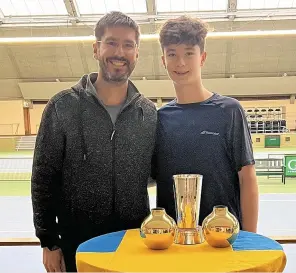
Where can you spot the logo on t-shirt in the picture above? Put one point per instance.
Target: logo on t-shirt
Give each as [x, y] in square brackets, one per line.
[209, 133]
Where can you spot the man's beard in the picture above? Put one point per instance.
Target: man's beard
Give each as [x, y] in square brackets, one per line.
[115, 76]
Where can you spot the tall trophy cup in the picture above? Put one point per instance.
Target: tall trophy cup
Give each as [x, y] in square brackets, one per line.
[187, 190]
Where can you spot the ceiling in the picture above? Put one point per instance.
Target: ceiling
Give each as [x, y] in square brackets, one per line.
[267, 56]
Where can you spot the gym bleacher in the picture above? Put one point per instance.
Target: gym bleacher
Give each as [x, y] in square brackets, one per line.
[266, 120]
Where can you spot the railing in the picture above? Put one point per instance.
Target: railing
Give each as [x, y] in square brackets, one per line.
[15, 169]
[9, 129]
[26, 143]
[19, 242]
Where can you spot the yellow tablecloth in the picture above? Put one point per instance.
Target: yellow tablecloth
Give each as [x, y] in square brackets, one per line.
[124, 251]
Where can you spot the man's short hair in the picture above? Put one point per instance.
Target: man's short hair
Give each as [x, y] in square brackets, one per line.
[116, 19]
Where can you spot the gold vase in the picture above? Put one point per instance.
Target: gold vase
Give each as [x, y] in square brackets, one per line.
[158, 229]
[220, 228]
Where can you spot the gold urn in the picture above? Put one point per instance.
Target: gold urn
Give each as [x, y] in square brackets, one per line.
[220, 228]
[158, 229]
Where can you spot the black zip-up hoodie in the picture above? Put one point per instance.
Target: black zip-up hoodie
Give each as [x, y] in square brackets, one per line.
[88, 173]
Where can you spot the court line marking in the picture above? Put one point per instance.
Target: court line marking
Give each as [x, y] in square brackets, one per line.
[294, 193]
[16, 231]
[278, 200]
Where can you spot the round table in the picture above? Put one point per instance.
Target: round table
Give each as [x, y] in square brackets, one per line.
[124, 251]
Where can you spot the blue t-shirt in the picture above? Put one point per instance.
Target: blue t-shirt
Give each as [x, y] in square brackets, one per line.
[211, 138]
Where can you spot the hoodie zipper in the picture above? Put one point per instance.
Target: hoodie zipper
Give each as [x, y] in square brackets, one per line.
[112, 138]
[113, 171]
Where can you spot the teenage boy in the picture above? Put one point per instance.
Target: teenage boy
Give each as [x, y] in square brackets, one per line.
[202, 132]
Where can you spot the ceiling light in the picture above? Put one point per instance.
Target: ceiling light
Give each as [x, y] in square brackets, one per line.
[233, 34]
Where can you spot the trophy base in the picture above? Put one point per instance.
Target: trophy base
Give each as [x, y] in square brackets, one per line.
[189, 236]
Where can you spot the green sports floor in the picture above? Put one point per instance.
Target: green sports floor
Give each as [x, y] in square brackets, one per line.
[266, 185]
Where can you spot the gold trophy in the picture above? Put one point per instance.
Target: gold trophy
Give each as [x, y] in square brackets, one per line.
[187, 190]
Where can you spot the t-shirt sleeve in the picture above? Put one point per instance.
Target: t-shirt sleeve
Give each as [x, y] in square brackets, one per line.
[240, 140]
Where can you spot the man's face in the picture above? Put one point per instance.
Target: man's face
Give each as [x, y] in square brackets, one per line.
[117, 53]
[183, 63]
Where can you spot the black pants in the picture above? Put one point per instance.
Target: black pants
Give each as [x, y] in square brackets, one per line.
[69, 252]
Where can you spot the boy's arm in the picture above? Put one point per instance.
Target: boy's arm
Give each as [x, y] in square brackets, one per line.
[244, 164]
[249, 198]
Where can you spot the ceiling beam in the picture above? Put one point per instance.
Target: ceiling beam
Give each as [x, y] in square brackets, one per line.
[72, 9]
[232, 9]
[151, 7]
[83, 58]
[152, 16]
[1, 15]
[13, 61]
[228, 58]
[232, 6]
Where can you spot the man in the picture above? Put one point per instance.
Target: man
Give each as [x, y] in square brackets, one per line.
[202, 132]
[93, 151]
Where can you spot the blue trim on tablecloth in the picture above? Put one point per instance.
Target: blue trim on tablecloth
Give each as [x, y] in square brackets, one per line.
[253, 241]
[244, 241]
[105, 243]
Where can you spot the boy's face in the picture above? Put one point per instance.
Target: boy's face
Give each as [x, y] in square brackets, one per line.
[183, 63]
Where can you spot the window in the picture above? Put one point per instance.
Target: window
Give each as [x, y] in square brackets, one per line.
[189, 5]
[104, 6]
[33, 7]
[265, 4]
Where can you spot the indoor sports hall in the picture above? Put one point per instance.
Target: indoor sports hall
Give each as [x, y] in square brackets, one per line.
[46, 46]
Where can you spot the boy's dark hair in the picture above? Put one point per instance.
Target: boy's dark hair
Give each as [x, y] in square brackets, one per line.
[184, 30]
[114, 19]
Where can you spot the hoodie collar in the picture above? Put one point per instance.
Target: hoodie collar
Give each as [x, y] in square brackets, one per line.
[86, 85]
[90, 88]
